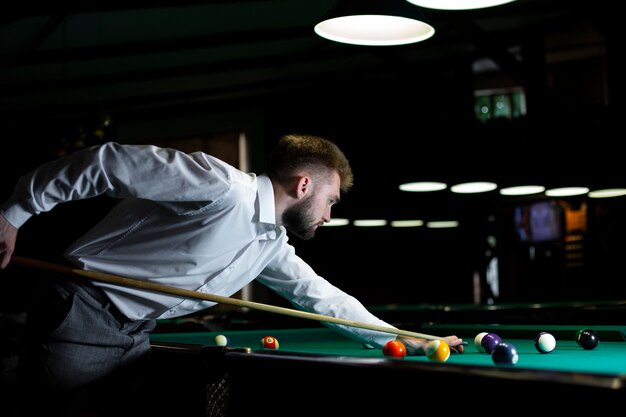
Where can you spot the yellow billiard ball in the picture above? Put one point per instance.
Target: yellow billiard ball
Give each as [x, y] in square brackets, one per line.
[437, 351]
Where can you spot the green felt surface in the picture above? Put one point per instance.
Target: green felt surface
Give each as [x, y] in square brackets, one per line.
[608, 358]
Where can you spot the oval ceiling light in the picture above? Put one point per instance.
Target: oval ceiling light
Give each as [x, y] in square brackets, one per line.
[566, 191]
[458, 4]
[606, 193]
[374, 30]
[374, 23]
[407, 223]
[370, 223]
[422, 186]
[473, 187]
[443, 224]
[337, 222]
[523, 190]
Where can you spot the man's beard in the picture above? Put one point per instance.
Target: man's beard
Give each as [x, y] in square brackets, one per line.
[298, 220]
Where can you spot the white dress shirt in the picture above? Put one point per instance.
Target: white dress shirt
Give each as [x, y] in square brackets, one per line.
[185, 220]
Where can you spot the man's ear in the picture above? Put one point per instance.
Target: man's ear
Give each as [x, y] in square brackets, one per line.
[303, 186]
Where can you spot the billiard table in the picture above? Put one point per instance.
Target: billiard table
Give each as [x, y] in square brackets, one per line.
[319, 371]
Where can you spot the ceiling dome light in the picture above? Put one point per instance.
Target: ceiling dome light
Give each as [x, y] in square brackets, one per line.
[374, 23]
[443, 224]
[458, 4]
[473, 187]
[407, 223]
[337, 222]
[370, 223]
[566, 191]
[609, 192]
[422, 186]
[374, 30]
[523, 190]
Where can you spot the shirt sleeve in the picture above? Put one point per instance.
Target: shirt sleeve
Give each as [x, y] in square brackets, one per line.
[121, 171]
[294, 279]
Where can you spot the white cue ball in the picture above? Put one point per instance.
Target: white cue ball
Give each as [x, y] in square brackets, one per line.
[545, 342]
[477, 340]
[221, 340]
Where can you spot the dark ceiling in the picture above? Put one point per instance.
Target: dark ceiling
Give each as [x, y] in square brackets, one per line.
[59, 57]
[61, 61]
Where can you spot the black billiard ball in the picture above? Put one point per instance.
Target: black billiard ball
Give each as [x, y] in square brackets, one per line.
[505, 354]
[588, 339]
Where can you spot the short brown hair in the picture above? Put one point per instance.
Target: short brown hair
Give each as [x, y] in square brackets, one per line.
[295, 151]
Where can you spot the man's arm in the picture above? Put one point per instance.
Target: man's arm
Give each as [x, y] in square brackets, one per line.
[8, 237]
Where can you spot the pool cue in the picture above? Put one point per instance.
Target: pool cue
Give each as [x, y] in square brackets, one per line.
[180, 292]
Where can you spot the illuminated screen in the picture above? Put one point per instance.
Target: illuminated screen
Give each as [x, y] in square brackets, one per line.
[539, 222]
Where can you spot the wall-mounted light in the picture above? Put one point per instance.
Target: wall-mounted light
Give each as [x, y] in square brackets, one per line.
[374, 23]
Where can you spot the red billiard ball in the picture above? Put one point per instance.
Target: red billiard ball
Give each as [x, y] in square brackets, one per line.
[269, 342]
[438, 350]
[504, 354]
[395, 349]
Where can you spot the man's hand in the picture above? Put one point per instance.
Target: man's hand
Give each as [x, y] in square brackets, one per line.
[8, 237]
[417, 347]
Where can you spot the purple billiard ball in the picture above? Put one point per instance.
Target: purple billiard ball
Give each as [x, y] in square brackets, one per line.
[505, 354]
[490, 341]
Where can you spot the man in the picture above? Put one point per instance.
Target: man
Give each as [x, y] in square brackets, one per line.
[186, 220]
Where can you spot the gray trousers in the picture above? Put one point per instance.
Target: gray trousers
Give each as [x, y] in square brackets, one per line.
[74, 338]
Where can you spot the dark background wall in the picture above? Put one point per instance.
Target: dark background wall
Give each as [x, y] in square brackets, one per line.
[409, 117]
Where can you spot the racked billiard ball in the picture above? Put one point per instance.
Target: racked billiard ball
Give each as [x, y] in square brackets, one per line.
[395, 349]
[490, 341]
[505, 354]
[269, 342]
[545, 342]
[438, 350]
[221, 340]
[587, 339]
[477, 342]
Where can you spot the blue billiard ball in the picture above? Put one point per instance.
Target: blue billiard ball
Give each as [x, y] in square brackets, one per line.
[505, 354]
[489, 342]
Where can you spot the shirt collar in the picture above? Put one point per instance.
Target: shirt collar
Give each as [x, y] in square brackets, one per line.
[267, 211]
